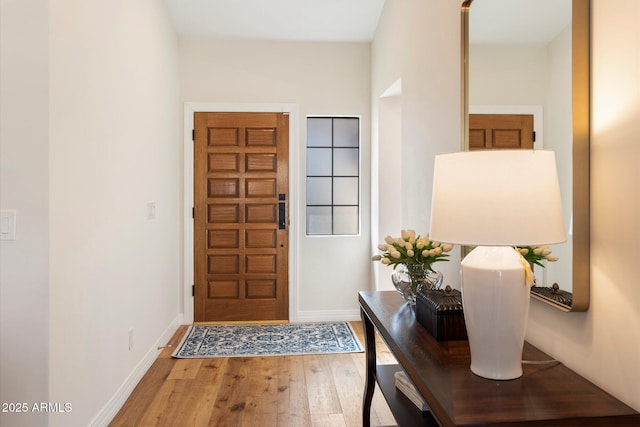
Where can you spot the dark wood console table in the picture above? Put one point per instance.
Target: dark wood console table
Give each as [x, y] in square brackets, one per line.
[547, 394]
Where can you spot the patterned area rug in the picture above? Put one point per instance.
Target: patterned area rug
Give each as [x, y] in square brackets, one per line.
[284, 339]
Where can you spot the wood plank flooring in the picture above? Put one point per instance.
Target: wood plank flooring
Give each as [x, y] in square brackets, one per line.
[282, 391]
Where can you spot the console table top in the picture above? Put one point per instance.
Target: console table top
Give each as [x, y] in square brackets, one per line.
[549, 393]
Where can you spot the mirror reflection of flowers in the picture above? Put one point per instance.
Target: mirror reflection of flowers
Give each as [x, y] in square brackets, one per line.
[412, 249]
[536, 254]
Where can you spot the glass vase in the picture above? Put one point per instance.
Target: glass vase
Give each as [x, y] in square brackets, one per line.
[409, 279]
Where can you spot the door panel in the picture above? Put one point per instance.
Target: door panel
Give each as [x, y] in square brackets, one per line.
[241, 253]
[500, 131]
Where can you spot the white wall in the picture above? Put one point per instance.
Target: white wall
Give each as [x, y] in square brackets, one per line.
[507, 75]
[321, 79]
[557, 134]
[603, 344]
[386, 199]
[417, 42]
[114, 147]
[24, 268]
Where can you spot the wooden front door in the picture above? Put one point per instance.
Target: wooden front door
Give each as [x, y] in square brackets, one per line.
[500, 131]
[241, 197]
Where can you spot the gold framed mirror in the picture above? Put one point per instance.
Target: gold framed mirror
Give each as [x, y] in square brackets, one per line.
[569, 290]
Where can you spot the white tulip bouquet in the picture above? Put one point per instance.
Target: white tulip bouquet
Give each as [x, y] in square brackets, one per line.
[412, 249]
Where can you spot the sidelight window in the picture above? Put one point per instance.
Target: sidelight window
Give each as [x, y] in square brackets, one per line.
[333, 175]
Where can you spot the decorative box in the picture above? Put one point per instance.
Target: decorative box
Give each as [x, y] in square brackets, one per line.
[440, 312]
[554, 293]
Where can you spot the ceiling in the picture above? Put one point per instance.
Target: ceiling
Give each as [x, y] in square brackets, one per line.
[525, 21]
[300, 20]
[517, 22]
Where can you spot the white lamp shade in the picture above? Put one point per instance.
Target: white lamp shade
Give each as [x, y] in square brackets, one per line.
[497, 198]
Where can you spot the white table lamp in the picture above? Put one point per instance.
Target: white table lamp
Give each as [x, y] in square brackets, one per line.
[496, 200]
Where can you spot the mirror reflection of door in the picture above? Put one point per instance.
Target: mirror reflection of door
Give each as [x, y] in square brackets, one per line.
[501, 131]
[240, 216]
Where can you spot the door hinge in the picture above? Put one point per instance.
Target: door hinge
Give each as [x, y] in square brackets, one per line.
[534, 137]
[193, 290]
[193, 134]
[193, 213]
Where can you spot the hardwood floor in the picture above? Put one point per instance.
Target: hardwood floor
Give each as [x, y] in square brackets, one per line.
[295, 391]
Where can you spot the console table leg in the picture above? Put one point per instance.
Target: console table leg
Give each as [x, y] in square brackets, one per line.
[370, 381]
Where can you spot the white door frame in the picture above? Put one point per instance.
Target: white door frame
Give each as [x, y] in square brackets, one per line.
[194, 107]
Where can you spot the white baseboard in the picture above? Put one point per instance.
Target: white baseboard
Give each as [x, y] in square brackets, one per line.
[328, 316]
[106, 415]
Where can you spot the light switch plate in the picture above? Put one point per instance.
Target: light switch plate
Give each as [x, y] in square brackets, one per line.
[7, 224]
[151, 210]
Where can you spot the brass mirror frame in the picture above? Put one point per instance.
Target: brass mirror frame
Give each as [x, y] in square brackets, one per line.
[581, 111]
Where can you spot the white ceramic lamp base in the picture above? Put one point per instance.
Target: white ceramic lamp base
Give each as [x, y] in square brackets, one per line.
[496, 307]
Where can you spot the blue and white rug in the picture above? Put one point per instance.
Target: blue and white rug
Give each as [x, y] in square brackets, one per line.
[283, 339]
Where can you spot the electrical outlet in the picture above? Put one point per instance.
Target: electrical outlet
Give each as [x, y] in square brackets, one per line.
[130, 339]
